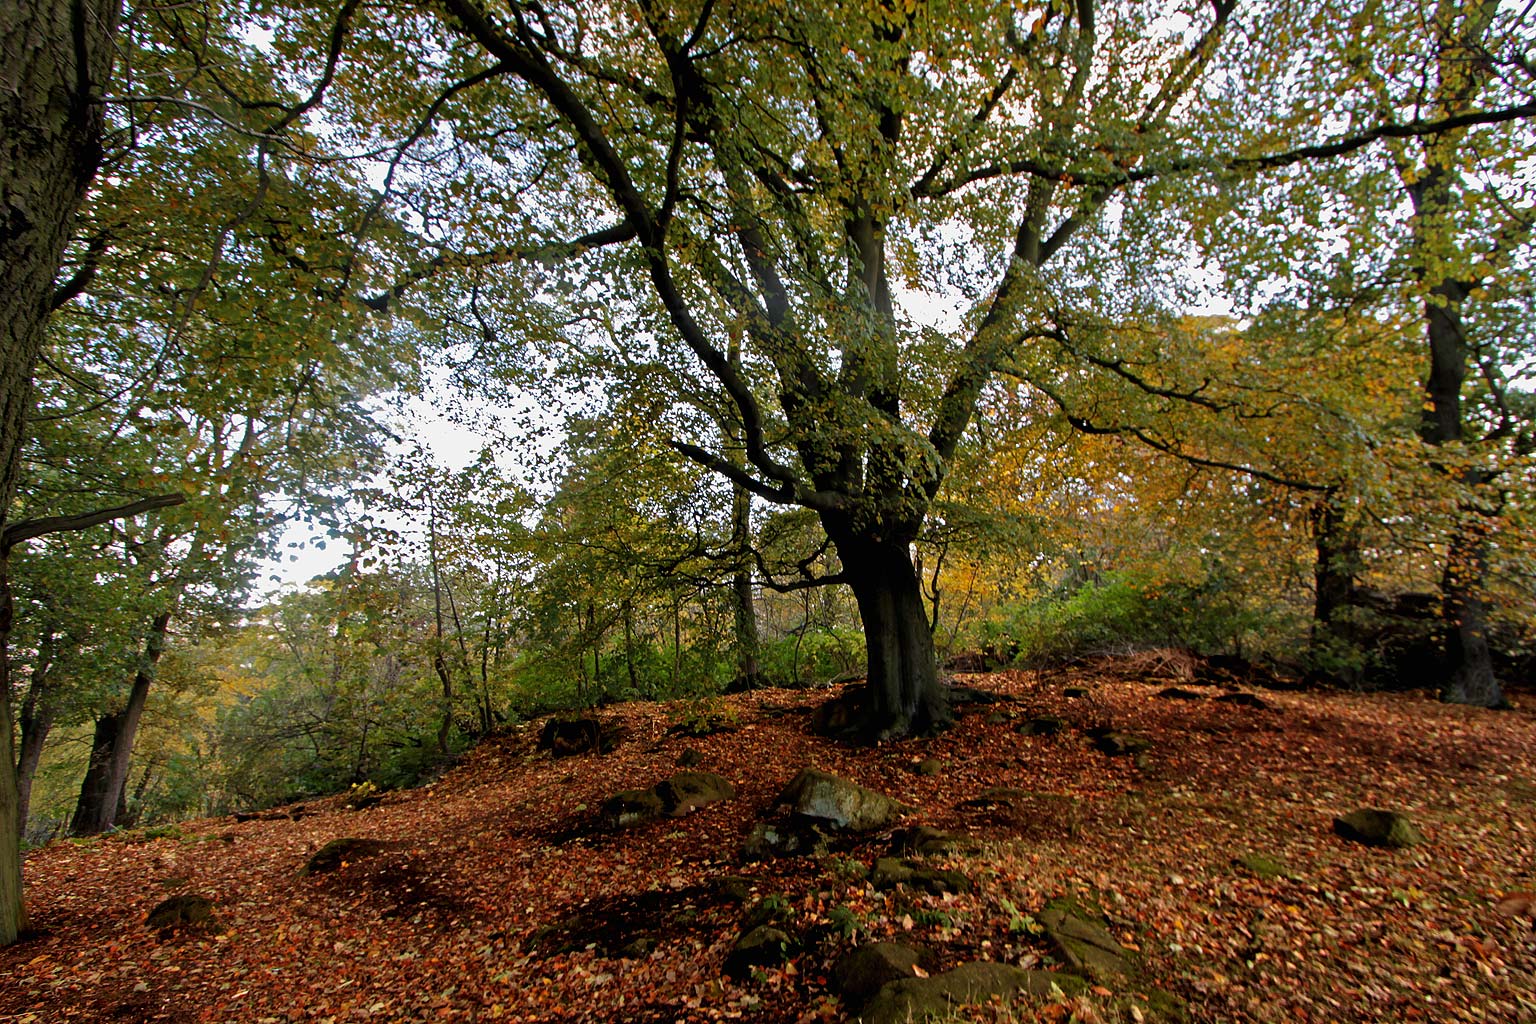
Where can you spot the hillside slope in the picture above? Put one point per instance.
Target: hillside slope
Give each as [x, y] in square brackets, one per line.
[494, 894]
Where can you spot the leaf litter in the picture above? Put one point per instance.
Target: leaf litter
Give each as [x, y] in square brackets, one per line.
[495, 896]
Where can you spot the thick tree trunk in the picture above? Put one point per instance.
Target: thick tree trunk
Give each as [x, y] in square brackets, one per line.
[903, 695]
[1336, 572]
[55, 60]
[1469, 660]
[106, 773]
[1437, 221]
[1472, 679]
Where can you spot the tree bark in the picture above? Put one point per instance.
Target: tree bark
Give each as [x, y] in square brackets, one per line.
[36, 721]
[1472, 679]
[106, 773]
[903, 694]
[1336, 572]
[55, 60]
[749, 674]
[1435, 225]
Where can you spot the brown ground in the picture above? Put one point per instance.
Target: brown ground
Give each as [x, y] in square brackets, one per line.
[442, 924]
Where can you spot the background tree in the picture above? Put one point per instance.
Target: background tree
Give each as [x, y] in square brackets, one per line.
[704, 208]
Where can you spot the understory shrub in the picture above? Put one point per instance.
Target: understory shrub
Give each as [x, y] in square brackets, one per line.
[1122, 612]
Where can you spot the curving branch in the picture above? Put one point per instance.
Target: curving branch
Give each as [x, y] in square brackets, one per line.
[29, 529]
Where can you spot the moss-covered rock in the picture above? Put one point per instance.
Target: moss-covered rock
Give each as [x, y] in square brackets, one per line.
[764, 946]
[340, 852]
[891, 872]
[186, 912]
[862, 972]
[631, 807]
[914, 1000]
[1085, 944]
[1376, 827]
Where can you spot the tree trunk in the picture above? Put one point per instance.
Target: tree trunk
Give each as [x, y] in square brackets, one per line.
[743, 602]
[1436, 222]
[55, 60]
[36, 722]
[903, 695]
[1336, 572]
[1472, 679]
[106, 773]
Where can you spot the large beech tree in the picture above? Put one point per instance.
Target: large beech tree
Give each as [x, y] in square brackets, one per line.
[776, 173]
[55, 59]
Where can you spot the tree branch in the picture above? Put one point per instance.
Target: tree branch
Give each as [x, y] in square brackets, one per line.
[28, 529]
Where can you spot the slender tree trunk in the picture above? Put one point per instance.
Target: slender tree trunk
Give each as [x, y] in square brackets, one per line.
[439, 661]
[743, 602]
[749, 673]
[55, 61]
[112, 745]
[629, 646]
[36, 722]
[903, 695]
[37, 713]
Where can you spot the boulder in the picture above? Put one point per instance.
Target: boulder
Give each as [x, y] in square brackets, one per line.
[862, 972]
[1075, 692]
[764, 946]
[1179, 693]
[767, 840]
[923, 841]
[1375, 827]
[185, 912]
[1085, 944]
[838, 802]
[929, 767]
[1040, 725]
[913, 1000]
[891, 872]
[689, 791]
[1119, 744]
[690, 758]
[1244, 699]
[340, 852]
[565, 737]
[631, 807]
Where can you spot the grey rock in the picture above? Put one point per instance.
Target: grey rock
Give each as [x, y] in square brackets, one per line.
[838, 802]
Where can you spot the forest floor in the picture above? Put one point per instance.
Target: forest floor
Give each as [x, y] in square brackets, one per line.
[450, 918]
